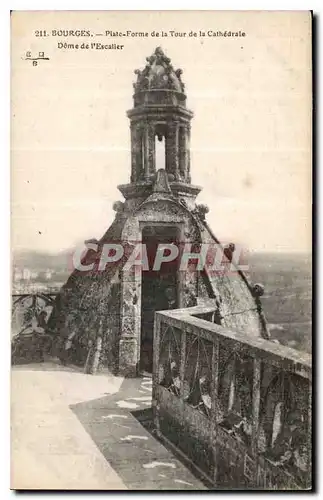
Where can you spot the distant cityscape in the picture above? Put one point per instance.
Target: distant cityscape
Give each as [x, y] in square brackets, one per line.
[32, 274]
[35, 271]
[32, 280]
[287, 279]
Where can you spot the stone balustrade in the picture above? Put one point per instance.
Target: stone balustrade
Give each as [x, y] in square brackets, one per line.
[238, 408]
[31, 308]
[28, 302]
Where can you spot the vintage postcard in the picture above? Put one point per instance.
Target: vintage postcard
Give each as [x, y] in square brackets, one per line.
[161, 167]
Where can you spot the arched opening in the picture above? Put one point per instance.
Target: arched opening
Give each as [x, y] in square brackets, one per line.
[160, 149]
[159, 289]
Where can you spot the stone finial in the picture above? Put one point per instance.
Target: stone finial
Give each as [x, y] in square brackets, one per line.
[178, 73]
[118, 206]
[228, 251]
[201, 210]
[258, 290]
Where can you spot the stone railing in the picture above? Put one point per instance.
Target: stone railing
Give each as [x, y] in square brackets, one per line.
[31, 307]
[238, 408]
[27, 303]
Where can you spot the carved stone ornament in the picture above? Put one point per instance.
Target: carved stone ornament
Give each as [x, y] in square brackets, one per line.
[158, 74]
[118, 206]
[258, 290]
[201, 211]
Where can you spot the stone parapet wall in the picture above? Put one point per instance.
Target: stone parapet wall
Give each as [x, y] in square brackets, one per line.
[238, 407]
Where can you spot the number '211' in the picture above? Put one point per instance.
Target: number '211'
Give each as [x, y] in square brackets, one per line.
[41, 33]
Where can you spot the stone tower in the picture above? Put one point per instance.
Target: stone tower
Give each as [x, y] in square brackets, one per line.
[160, 112]
[110, 310]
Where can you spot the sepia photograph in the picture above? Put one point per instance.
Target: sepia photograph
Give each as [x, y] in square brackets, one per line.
[161, 250]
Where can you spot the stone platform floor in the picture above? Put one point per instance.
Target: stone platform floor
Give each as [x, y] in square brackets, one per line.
[76, 431]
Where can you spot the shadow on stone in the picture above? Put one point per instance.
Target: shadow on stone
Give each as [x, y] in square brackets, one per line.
[121, 426]
[145, 418]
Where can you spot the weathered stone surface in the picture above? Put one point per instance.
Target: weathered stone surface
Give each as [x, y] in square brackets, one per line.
[222, 414]
[108, 303]
[128, 357]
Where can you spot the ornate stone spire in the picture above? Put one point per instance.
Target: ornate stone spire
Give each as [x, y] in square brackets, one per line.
[159, 112]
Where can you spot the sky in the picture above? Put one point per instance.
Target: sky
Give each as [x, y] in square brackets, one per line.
[251, 131]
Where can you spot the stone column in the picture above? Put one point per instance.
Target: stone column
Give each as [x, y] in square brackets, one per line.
[172, 150]
[188, 152]
[151, 149]
[182, 152]
[145, 150]
[129, 344]
[136, 156]
[168, 151]
[176, 151]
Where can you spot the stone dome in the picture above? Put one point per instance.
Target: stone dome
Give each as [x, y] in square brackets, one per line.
[158, 74]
